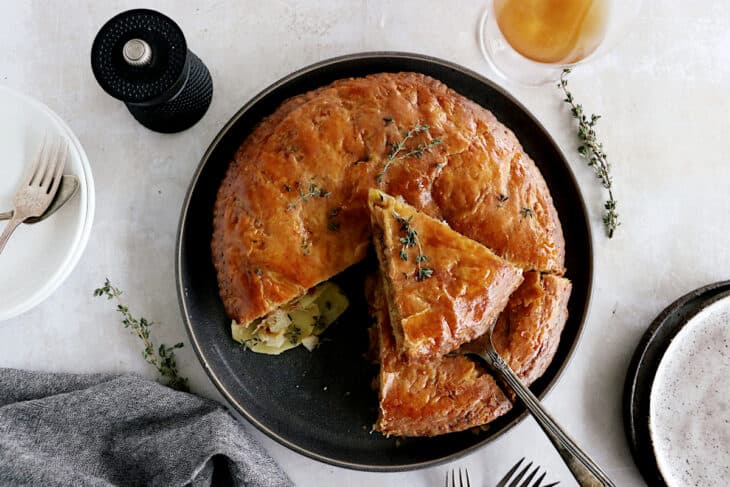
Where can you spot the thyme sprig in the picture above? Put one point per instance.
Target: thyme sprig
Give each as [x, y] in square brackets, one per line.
[592, 150]
[408, 240]
[306, 245]
[527, 212]
[399, 150]
[313, 191]
[162, 358]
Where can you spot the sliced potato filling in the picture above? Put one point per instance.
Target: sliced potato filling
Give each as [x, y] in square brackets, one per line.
[300, 321]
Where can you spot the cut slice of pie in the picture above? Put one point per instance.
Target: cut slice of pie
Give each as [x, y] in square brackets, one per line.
[429, 398]
[442, 288]
[528, 331]
[454, 393]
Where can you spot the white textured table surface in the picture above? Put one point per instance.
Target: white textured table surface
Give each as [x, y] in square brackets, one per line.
[663, 93]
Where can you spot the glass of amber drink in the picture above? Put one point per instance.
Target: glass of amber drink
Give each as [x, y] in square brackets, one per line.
[532, 41]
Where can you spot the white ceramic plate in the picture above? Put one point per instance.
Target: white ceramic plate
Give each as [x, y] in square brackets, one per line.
[38, 257]
[690, 398]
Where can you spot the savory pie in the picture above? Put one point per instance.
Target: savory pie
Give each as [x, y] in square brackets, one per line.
[527, 333]
[443, 289]
[454, 393]
[434, 397]
[291, 211]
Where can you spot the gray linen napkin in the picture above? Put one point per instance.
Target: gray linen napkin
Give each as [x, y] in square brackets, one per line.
[100, 430]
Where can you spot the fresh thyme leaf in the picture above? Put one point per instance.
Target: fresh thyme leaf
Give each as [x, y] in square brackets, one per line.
[408, 240]
[527, 212]
[592, 150]
[163, 358]
[333, 225]
[424, 273]
[306, 246]
[398, 149]
[287, 188]
[314, 191]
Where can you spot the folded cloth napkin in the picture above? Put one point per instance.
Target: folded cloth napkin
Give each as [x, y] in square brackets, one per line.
[100, 430]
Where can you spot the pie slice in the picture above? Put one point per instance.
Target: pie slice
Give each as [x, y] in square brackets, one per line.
[442, 288]
[430, 398]
[450, 394]
[527, 333]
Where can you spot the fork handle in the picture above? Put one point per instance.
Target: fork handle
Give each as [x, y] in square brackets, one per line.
[8, 231]
[583, 468]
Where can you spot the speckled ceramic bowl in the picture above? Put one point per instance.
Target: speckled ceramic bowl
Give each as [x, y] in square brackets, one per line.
[643, 368]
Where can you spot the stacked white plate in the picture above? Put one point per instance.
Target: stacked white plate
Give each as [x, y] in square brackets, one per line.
[38, 257]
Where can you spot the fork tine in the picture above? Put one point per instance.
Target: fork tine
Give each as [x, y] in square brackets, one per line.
[60, 164]
[468, 481]
[37, 161]
[529, 478]
[505, 479]
[539, 480]
[516, 481]
[45, 157]
[49, 165]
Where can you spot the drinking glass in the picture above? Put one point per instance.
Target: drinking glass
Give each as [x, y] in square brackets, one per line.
[532, 41]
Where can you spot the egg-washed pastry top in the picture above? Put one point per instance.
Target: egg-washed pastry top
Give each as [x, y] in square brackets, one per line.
[528, 331]
[443, 289]
[454, 393]
[428, 398]
[291, 211]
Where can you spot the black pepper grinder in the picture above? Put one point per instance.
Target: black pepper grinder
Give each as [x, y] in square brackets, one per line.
[140, 57]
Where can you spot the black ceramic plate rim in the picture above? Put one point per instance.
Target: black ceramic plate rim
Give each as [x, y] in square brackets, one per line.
[636, 417]
[181, 291]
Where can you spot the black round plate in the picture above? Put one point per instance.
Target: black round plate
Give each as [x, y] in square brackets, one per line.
[321, 404]
[640, 377]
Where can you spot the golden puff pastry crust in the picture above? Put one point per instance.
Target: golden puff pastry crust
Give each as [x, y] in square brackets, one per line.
[430, 398]
[443, 289]
[527, 333]
[453, 393]
[292, 209]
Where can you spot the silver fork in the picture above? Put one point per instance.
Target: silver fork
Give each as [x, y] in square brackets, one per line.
[36, 194]
[583, 468]
[463, 481]
[514, 481]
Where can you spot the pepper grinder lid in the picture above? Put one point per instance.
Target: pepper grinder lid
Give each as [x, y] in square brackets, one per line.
[141, 58]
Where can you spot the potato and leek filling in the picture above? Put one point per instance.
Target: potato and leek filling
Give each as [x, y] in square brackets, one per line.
[297, 322]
